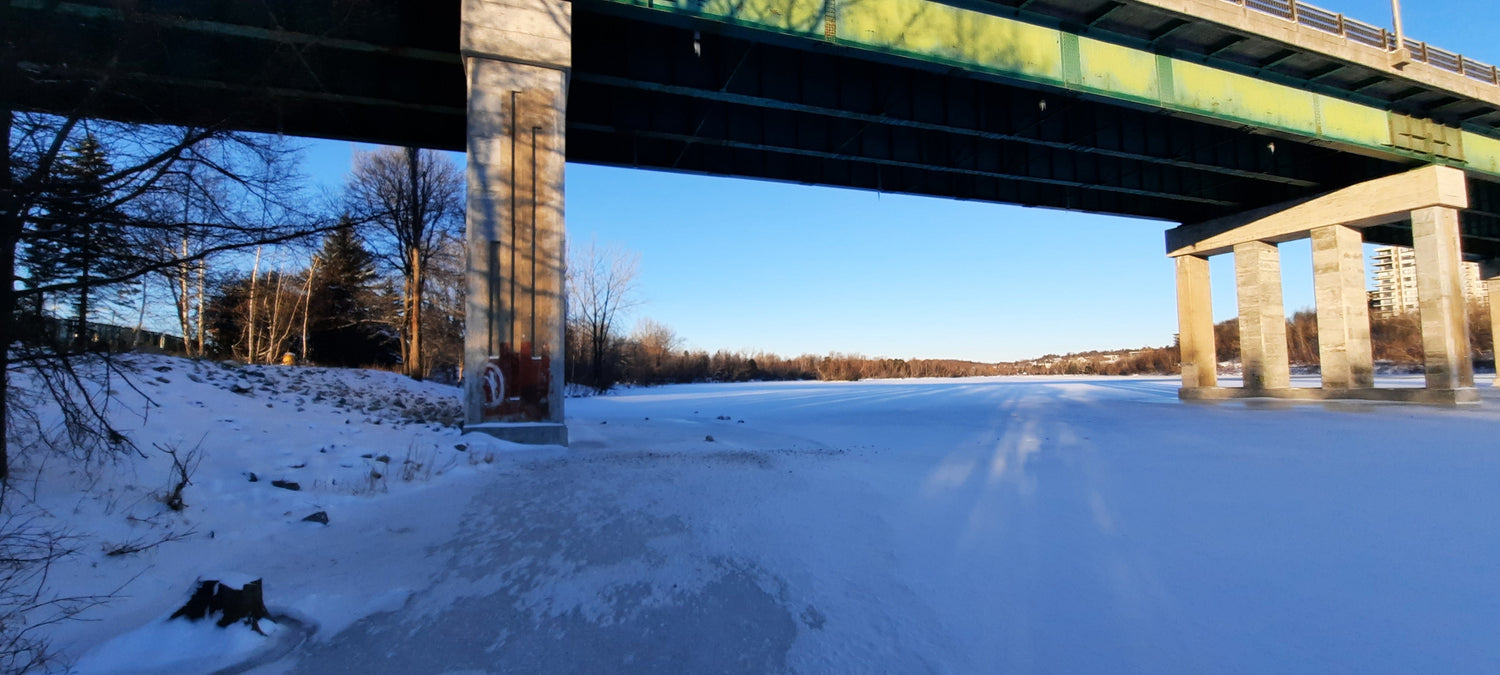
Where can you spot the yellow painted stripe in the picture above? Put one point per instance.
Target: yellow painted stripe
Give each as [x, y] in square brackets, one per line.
[1239, 97]
[1354, 123]
[1110, 68]
[1482, 152]
[791, 16]
[920, 27]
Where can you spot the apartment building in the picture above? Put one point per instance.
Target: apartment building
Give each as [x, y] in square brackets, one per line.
[1393, 274]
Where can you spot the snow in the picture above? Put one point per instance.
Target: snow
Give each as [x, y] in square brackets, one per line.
[955, 525]
[195, 647]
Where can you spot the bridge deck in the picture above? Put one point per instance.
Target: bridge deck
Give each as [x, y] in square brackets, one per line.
[759, 103]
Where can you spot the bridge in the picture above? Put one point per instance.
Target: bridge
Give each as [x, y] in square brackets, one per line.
[1248, 122]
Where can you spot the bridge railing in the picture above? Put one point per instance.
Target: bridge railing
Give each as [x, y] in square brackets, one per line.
[1374, 36]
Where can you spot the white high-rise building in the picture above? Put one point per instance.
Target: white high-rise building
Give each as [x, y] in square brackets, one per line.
[1393, 274]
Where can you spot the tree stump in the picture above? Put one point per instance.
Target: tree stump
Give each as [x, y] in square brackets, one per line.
[245, 603]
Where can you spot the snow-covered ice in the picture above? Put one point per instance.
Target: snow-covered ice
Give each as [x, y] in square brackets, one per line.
[965, 525]
[178, 646]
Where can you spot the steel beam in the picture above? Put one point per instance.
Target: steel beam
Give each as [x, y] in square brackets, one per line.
[866, 159]
[722, 96]
[210, 27]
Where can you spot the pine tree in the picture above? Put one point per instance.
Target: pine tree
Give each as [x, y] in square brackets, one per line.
[345, 330]
[224, 313]
[77, 236]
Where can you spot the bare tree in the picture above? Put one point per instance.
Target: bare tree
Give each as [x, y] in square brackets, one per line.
[657, 339]
[601, 286]
[258, 318]
[28, 550]
[260, 203]
[190, 199]
[443, 314]
[257, 201]
[413, 199]
[250, 324]
[650, 352]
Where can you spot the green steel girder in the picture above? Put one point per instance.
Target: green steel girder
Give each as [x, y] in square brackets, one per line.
[767, 98]
[809, 81]
[978, 43]
[763, 110]
[941, 168]
[963, 108]
[892, 120]
[321, 69]
[1148, 28]
[624, 148]
[689, 126]
[1216, 165]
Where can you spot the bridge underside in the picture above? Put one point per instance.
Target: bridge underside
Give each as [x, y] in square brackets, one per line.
[640, 97]
[695, 97]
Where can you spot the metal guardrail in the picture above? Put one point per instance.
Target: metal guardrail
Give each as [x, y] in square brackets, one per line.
[1374, 36]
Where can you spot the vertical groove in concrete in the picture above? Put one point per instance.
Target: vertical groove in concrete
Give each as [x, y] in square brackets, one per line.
[1195, 322]
[1343, 308]
[1263, 347]
[1440, 291]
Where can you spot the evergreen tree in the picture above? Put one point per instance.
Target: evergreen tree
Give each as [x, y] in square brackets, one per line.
[78, 235]
[345, 327]
[224, 313]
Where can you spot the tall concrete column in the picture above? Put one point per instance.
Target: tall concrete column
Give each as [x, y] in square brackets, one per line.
[1263, 351]
[517, 55]
[1343, 308]
[1440, 294]
[1195, 323]
[1492, 286]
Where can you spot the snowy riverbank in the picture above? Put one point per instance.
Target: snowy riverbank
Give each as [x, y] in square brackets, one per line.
[977, 525]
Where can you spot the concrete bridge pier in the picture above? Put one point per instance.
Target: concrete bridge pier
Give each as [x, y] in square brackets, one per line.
[1263, 348]
[1490, 271]
[517, 55]
[1195, 321]
[1440, 298]
[1430, 198]
[1344, 349]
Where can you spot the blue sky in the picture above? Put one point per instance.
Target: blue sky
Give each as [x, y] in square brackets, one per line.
[739, 264]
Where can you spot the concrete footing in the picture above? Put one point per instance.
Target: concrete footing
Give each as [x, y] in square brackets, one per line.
[529, 434]
[1410, 395]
